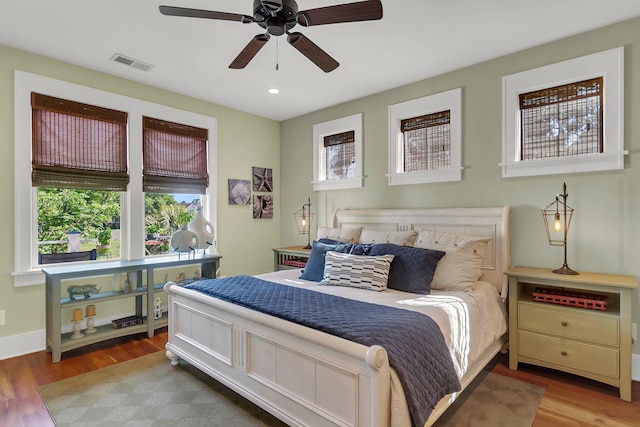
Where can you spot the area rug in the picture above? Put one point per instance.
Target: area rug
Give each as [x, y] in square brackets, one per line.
[493, 400]
[148, 391]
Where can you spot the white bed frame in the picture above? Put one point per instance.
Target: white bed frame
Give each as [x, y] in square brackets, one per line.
[305, 377]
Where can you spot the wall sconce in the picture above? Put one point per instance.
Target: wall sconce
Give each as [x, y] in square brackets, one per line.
[304, 218]
[557, 219]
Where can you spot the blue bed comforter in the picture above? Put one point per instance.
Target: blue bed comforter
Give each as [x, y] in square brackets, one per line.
[413, 341]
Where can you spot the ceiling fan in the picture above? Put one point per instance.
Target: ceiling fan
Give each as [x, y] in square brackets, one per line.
[278, 17]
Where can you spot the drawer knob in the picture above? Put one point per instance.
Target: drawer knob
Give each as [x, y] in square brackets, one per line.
[564, 353]
[564, 323]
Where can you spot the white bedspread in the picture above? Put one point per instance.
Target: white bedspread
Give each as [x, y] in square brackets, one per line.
[470, 321]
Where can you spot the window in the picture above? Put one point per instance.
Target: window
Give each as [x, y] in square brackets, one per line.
[341, 155]
[562, 121]
[127, 221]
[164, 214]
[337, 154]
[175, 175]
[79, 157]
[427, 142]
[565, 117]
[425, 139]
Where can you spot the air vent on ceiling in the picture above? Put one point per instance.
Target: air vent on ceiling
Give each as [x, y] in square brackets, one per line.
[131, 62]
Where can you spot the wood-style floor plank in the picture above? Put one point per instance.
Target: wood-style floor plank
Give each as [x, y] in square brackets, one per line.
[568, 400]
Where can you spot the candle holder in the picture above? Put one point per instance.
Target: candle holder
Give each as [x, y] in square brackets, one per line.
[77, 327]
[90, 314]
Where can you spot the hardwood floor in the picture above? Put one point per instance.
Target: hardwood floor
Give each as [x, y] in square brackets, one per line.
[568, 400]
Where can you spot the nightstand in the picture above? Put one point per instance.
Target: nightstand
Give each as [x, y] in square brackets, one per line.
[290, 257]
[588, 342]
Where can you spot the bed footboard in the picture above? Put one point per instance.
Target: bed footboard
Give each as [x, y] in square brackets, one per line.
[301, 376]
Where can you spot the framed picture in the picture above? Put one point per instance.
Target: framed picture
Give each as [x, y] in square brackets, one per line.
[262, 206]
[262, 179]
[239, 191]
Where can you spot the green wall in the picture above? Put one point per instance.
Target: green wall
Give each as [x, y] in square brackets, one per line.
[605, 232]
[243, 141]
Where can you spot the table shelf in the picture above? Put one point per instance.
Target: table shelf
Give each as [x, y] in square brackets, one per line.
[142, 296]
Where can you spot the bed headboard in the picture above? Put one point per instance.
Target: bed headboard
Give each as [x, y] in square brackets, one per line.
[481, 222]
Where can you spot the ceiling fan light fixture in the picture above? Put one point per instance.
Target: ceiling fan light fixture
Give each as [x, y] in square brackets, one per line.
[279, 17]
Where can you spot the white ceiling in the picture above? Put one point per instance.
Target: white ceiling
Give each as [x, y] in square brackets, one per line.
[415, 39]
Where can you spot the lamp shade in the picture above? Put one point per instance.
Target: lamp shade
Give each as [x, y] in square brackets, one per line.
[557, 217]
[557, 220]
[304, 219]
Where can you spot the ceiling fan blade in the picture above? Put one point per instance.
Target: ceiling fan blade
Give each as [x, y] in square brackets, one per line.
[249, 51]
[369, 10]
[313, 52]
[208, 14]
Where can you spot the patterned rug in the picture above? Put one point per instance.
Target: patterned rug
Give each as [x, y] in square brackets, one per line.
[148, 391]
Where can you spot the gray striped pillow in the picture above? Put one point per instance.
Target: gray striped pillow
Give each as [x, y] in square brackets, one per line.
[358, 271]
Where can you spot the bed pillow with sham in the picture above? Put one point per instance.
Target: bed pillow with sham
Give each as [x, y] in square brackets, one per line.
[412, 268]
[347, 234]
[402, 238]
[315, 264]
[460, 268]
[357, 271]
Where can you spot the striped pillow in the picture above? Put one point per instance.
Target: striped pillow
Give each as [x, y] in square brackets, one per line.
[357, 271]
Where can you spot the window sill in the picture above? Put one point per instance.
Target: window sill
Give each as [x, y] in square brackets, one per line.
[27, 278]
[338, 184]
[590, 163]
[406, 178]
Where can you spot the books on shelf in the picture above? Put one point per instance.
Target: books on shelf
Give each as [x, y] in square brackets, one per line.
[126, 321]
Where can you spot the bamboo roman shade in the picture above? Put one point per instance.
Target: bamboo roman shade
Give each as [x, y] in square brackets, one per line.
[78, 145]
[174, 157]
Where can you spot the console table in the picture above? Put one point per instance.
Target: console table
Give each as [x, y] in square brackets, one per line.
[57, 297]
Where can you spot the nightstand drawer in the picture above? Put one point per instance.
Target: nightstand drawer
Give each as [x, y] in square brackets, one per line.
[570, 354]
[590, 326]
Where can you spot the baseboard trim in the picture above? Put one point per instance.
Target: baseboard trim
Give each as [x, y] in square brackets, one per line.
[31, 342]
[18, 345]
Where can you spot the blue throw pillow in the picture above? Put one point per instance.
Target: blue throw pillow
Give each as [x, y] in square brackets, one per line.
[361, 249]
[356, 248]
[314, 270]
[412, 268]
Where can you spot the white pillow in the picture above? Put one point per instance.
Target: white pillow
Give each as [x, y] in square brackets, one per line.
[459, 268]
[357, 271]
[347, 234]
[401, 238]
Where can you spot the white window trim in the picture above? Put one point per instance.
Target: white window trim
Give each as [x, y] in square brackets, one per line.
[450, 100]
[344, 124]
[132, 233]
[608, 64]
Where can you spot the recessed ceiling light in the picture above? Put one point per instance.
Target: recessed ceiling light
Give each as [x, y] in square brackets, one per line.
[273, 91]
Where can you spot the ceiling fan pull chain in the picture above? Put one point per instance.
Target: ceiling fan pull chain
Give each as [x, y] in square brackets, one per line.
[277, 54]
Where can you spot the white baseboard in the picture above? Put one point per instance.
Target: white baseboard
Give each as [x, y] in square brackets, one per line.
[17, 345]
[31, 342]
